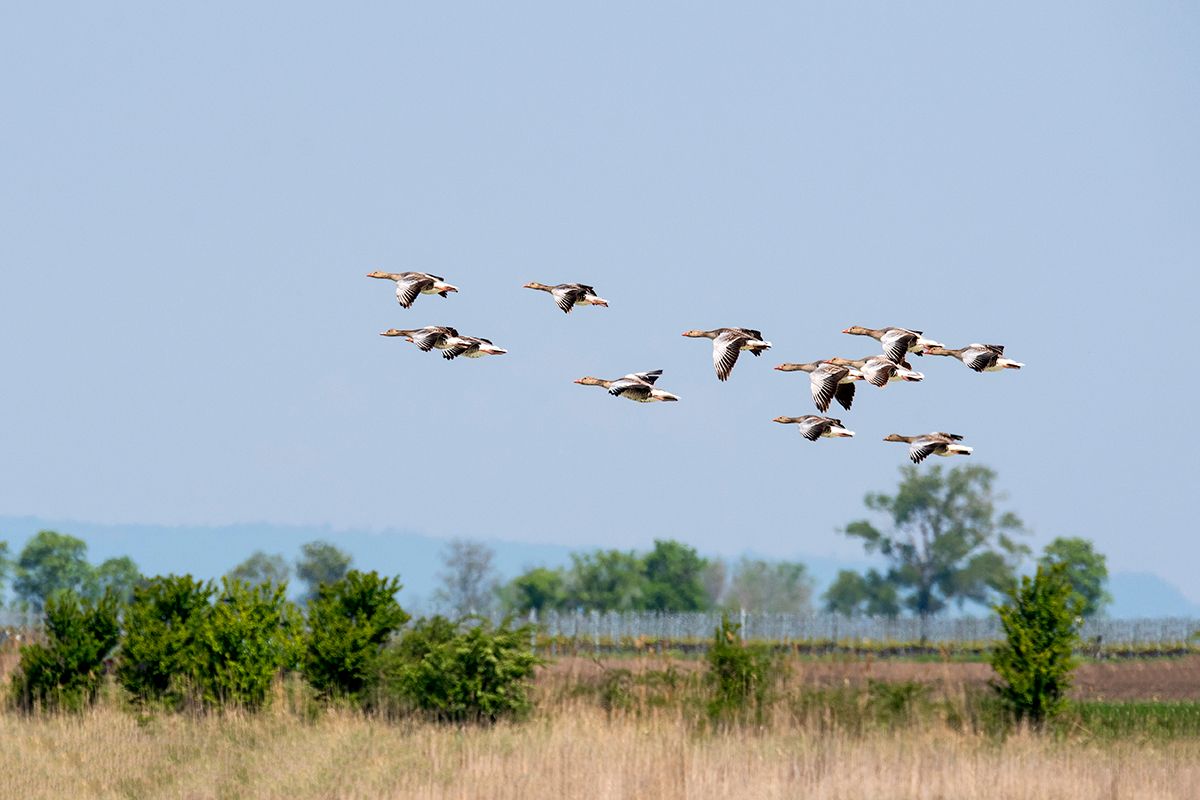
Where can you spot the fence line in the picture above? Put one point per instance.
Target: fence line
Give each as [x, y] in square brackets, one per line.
[584, 628]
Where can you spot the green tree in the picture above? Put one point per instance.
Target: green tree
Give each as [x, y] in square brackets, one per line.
[67, 669]
[462, 672]
[349, 622]
[606, 580]
[469, 580]
[539, 589]
[160, 656]
[262, 568]
[1085, 569]
[947, 541]
[321, 563]
[852, 594]
[250, 634]
[1035, 661]
[674, 578]
[51, 562]
[740, 675]
[774, 587]
[118, 575]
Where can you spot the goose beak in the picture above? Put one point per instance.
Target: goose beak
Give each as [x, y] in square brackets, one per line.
[845, 330]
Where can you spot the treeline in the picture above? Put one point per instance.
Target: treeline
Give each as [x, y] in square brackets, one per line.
[180, 644]
[184, 645]
[942, 538]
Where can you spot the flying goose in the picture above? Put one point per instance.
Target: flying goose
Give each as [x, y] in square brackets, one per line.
[828, 381]
[896, 341]
[932, 444]
[637, 386]
[728, 343]
[569, 295]
[411, 284]
[472, 347]
[979, 357]
[442, 337]
[880, 370]
[812, 427]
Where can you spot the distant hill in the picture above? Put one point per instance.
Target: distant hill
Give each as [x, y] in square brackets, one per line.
[211, 551]
[1143, 594]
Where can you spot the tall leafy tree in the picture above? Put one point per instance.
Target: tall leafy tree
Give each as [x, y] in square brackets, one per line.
[539, 589]
[946, 540]
[262, 569]
[1084, 568]
[469, 579]
[606, 580]
[116, 575]
[321, 563]
[852, 594]
[769, 586]
[51, 562]
[674, 578]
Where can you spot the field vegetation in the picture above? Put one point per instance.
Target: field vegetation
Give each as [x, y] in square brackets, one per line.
[744, 721]
[613, 732]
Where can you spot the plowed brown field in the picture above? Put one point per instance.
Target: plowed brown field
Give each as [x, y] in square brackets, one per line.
[1134, 679]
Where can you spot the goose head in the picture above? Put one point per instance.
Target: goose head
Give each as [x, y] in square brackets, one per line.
[590, 381]
[858, 330]
[699, 334]
[895, 437]
[387, 275]
[785, 420]
[393, 332]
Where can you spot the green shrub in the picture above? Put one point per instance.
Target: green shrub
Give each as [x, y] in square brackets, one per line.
[349, 622]
[740, 676]
[1035, 661]
[160, 654]
[464, 672]
[66, 672]
[248, 637]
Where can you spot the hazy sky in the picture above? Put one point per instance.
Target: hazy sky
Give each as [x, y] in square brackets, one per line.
[191, 196]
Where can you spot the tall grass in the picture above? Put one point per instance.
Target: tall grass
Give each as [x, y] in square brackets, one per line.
[575, 751]
[628, 730]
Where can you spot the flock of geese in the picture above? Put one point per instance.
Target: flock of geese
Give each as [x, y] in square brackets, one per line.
[830, 380]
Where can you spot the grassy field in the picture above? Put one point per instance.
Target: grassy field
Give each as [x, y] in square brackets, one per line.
[572, 752]
[636, 729]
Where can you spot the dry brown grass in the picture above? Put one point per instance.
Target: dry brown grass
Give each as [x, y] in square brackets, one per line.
[573, 752]
[573, 749]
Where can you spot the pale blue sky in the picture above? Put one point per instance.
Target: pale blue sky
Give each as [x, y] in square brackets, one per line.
[191, 198]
